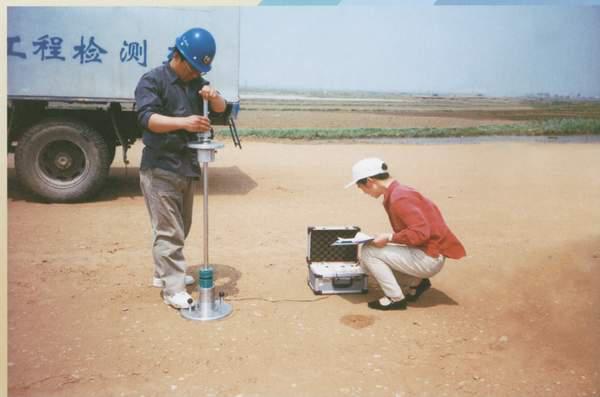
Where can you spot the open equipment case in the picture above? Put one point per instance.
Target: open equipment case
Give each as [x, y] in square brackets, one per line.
[334, 269]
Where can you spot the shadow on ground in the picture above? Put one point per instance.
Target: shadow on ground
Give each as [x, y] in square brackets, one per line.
[124, 182]
[432, 297]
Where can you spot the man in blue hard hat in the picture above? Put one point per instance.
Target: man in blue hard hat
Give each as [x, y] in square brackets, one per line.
[169, 102]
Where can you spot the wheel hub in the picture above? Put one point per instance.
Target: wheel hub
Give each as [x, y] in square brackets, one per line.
[63, 161]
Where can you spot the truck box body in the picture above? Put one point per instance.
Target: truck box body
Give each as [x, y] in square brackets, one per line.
[72, 74]
[100, 53]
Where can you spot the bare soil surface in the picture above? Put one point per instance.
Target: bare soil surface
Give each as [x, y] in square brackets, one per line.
[298, 119]
[290, 111]
[519, 316]
[410, 112]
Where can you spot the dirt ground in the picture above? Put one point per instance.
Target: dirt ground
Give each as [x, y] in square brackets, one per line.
[409, 112]
[297, 119]
[519, 316]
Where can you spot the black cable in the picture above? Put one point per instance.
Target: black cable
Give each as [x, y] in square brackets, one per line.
[278, 300]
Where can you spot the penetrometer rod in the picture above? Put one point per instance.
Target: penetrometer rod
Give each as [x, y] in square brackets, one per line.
[205, 213]
[206, 307]
[205, 190]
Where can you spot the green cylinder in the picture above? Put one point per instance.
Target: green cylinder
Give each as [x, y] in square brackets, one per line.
[205, 277]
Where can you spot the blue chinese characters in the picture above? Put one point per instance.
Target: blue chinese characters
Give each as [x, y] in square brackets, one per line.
[88, 50]
[52, 45]
[134, 51]
[88, 53]
[11, 47]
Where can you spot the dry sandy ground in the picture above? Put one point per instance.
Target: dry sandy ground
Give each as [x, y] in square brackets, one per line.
[520, 316]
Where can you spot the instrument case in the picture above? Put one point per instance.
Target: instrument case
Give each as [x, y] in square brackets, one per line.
[334, 269]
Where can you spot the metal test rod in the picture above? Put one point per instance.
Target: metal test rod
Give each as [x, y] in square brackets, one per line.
[205, 215]
[205, 186]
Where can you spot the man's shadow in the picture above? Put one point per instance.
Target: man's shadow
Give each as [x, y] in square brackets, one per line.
[124, 182]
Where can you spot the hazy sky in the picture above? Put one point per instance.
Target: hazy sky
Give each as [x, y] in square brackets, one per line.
[443, 49]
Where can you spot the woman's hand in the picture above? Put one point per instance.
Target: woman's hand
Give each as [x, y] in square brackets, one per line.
[381, 240]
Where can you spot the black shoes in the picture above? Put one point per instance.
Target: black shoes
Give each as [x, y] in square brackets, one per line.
[423, 286]
[399, 305]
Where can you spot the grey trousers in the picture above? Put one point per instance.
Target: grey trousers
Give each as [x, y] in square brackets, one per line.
[169, 199]
[397, 267]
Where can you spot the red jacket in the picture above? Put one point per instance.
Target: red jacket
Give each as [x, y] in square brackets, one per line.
[417, 222]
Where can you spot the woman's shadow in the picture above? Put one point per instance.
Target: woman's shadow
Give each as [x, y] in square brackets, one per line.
[431, 297]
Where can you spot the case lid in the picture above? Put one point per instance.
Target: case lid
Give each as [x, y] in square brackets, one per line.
[320, 239]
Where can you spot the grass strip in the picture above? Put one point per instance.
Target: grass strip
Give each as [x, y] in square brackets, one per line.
[552, 127]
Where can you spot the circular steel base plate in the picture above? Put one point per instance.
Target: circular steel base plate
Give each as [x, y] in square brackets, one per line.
[211, 145]
[216, 312]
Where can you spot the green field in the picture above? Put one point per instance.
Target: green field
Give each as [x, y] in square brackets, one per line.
[512, 116]
[554, 127]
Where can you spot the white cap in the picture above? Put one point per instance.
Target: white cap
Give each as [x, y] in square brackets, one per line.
[366, 168]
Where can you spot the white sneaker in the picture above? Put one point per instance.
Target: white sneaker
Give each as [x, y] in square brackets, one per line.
[181, 300]
[158, 283]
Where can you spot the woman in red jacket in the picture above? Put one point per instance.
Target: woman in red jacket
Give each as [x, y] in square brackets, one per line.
[419, 243]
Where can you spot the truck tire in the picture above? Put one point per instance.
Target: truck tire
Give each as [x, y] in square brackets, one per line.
[62, 160]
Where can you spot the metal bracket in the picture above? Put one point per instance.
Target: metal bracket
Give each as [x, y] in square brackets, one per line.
[112, 110]
[234, 133]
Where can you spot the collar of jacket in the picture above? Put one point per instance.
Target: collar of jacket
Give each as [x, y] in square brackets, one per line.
[173, 78]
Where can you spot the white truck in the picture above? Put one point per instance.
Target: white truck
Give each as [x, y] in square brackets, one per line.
[72, 72]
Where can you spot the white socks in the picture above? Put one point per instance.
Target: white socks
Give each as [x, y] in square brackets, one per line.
[385, 301]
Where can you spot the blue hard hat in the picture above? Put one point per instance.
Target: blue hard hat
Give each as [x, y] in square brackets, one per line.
[198, 47]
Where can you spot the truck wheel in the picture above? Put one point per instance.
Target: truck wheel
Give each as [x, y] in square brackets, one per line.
[62, 160]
